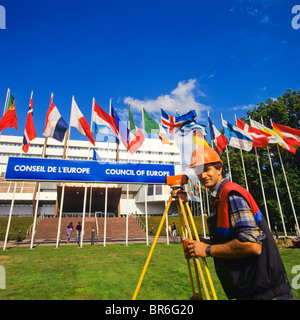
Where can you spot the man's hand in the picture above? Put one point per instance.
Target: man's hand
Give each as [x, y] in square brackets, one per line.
[197, 249]
[194, 248]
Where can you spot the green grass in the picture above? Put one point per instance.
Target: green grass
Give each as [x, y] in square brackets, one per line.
[105, 273]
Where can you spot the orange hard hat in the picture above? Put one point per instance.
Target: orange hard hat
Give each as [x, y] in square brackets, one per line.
[203, 155]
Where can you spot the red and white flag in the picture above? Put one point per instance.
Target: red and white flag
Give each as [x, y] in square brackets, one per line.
[78, 121]
[29, 131]
[260, 138]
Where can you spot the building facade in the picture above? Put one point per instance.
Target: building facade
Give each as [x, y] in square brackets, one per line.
[121, 198]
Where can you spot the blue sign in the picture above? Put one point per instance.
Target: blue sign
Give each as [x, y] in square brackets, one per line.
[39, 169]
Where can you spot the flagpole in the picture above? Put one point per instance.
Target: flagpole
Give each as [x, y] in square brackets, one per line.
[145, 185]
[200, 193]
[6, 101]
[83, 215]
[35, 204]
[85, 187]
[89, 148]
[202, 213]
[5, 104]
[287, 185]
[10, 212]
[106, 189]
[276, 190]
[15, 187]
[65, 155]
[230, 174]
[165, 191]
[245, 175]
[35, 216]
[207, 201]
[127, 188]
[286, 182]
[91, 187]
[262, 186]
[62, 194]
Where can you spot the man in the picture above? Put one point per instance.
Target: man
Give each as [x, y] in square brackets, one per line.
[78, 233]
[245, 254]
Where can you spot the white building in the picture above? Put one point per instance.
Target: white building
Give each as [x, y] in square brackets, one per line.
[137, 200]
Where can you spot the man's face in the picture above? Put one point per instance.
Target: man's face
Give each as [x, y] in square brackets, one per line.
[210, 177]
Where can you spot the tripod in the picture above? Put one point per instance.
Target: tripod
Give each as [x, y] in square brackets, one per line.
[186, 224]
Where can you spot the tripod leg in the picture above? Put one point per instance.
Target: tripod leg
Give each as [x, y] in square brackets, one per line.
[189, 235]
[204, 261]
[152, 248]
[197, 261]
[187, 260]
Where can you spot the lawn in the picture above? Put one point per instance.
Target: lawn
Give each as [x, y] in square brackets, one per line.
[105, 273]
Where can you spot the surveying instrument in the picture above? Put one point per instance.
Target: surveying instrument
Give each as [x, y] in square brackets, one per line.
[187, 224]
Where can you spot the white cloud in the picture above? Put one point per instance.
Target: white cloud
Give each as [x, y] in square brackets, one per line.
[243, 107]
[183, 98]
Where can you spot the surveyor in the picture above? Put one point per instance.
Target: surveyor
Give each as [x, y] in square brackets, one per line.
[245, 254]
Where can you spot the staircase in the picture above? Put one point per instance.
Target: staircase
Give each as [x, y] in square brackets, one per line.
[115, 227]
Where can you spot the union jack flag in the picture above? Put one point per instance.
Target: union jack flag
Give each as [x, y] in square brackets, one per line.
[173, 123]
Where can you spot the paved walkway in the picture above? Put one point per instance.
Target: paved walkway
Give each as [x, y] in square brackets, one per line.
[97, 241]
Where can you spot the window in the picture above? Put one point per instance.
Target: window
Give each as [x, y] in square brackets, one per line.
[150, 190]
[158, 190]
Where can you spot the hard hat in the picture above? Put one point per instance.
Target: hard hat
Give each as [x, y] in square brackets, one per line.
[203, 155]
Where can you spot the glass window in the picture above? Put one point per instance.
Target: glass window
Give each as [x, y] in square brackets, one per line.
[150, 189]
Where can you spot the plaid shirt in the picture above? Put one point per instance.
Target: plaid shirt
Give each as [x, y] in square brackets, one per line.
[242, 219]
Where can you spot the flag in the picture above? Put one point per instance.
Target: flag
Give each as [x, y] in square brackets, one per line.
[102, 122]
[289, 135]
[274, 138]
[260, 138]
[96, 155]
[219, 139]
[136, 136]
[191, 126]
[122, 130]
[237, 137]
[78, 121]
[55, 125]
[9, 119]
[151, 126]
[29, 131]
[173, 124]
[199, 138]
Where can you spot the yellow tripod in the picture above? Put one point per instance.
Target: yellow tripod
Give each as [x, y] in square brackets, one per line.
[186, 223]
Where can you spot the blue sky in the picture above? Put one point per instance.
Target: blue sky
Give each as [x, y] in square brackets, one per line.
[221, 56]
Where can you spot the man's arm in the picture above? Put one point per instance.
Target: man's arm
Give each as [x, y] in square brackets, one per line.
[231, 250]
